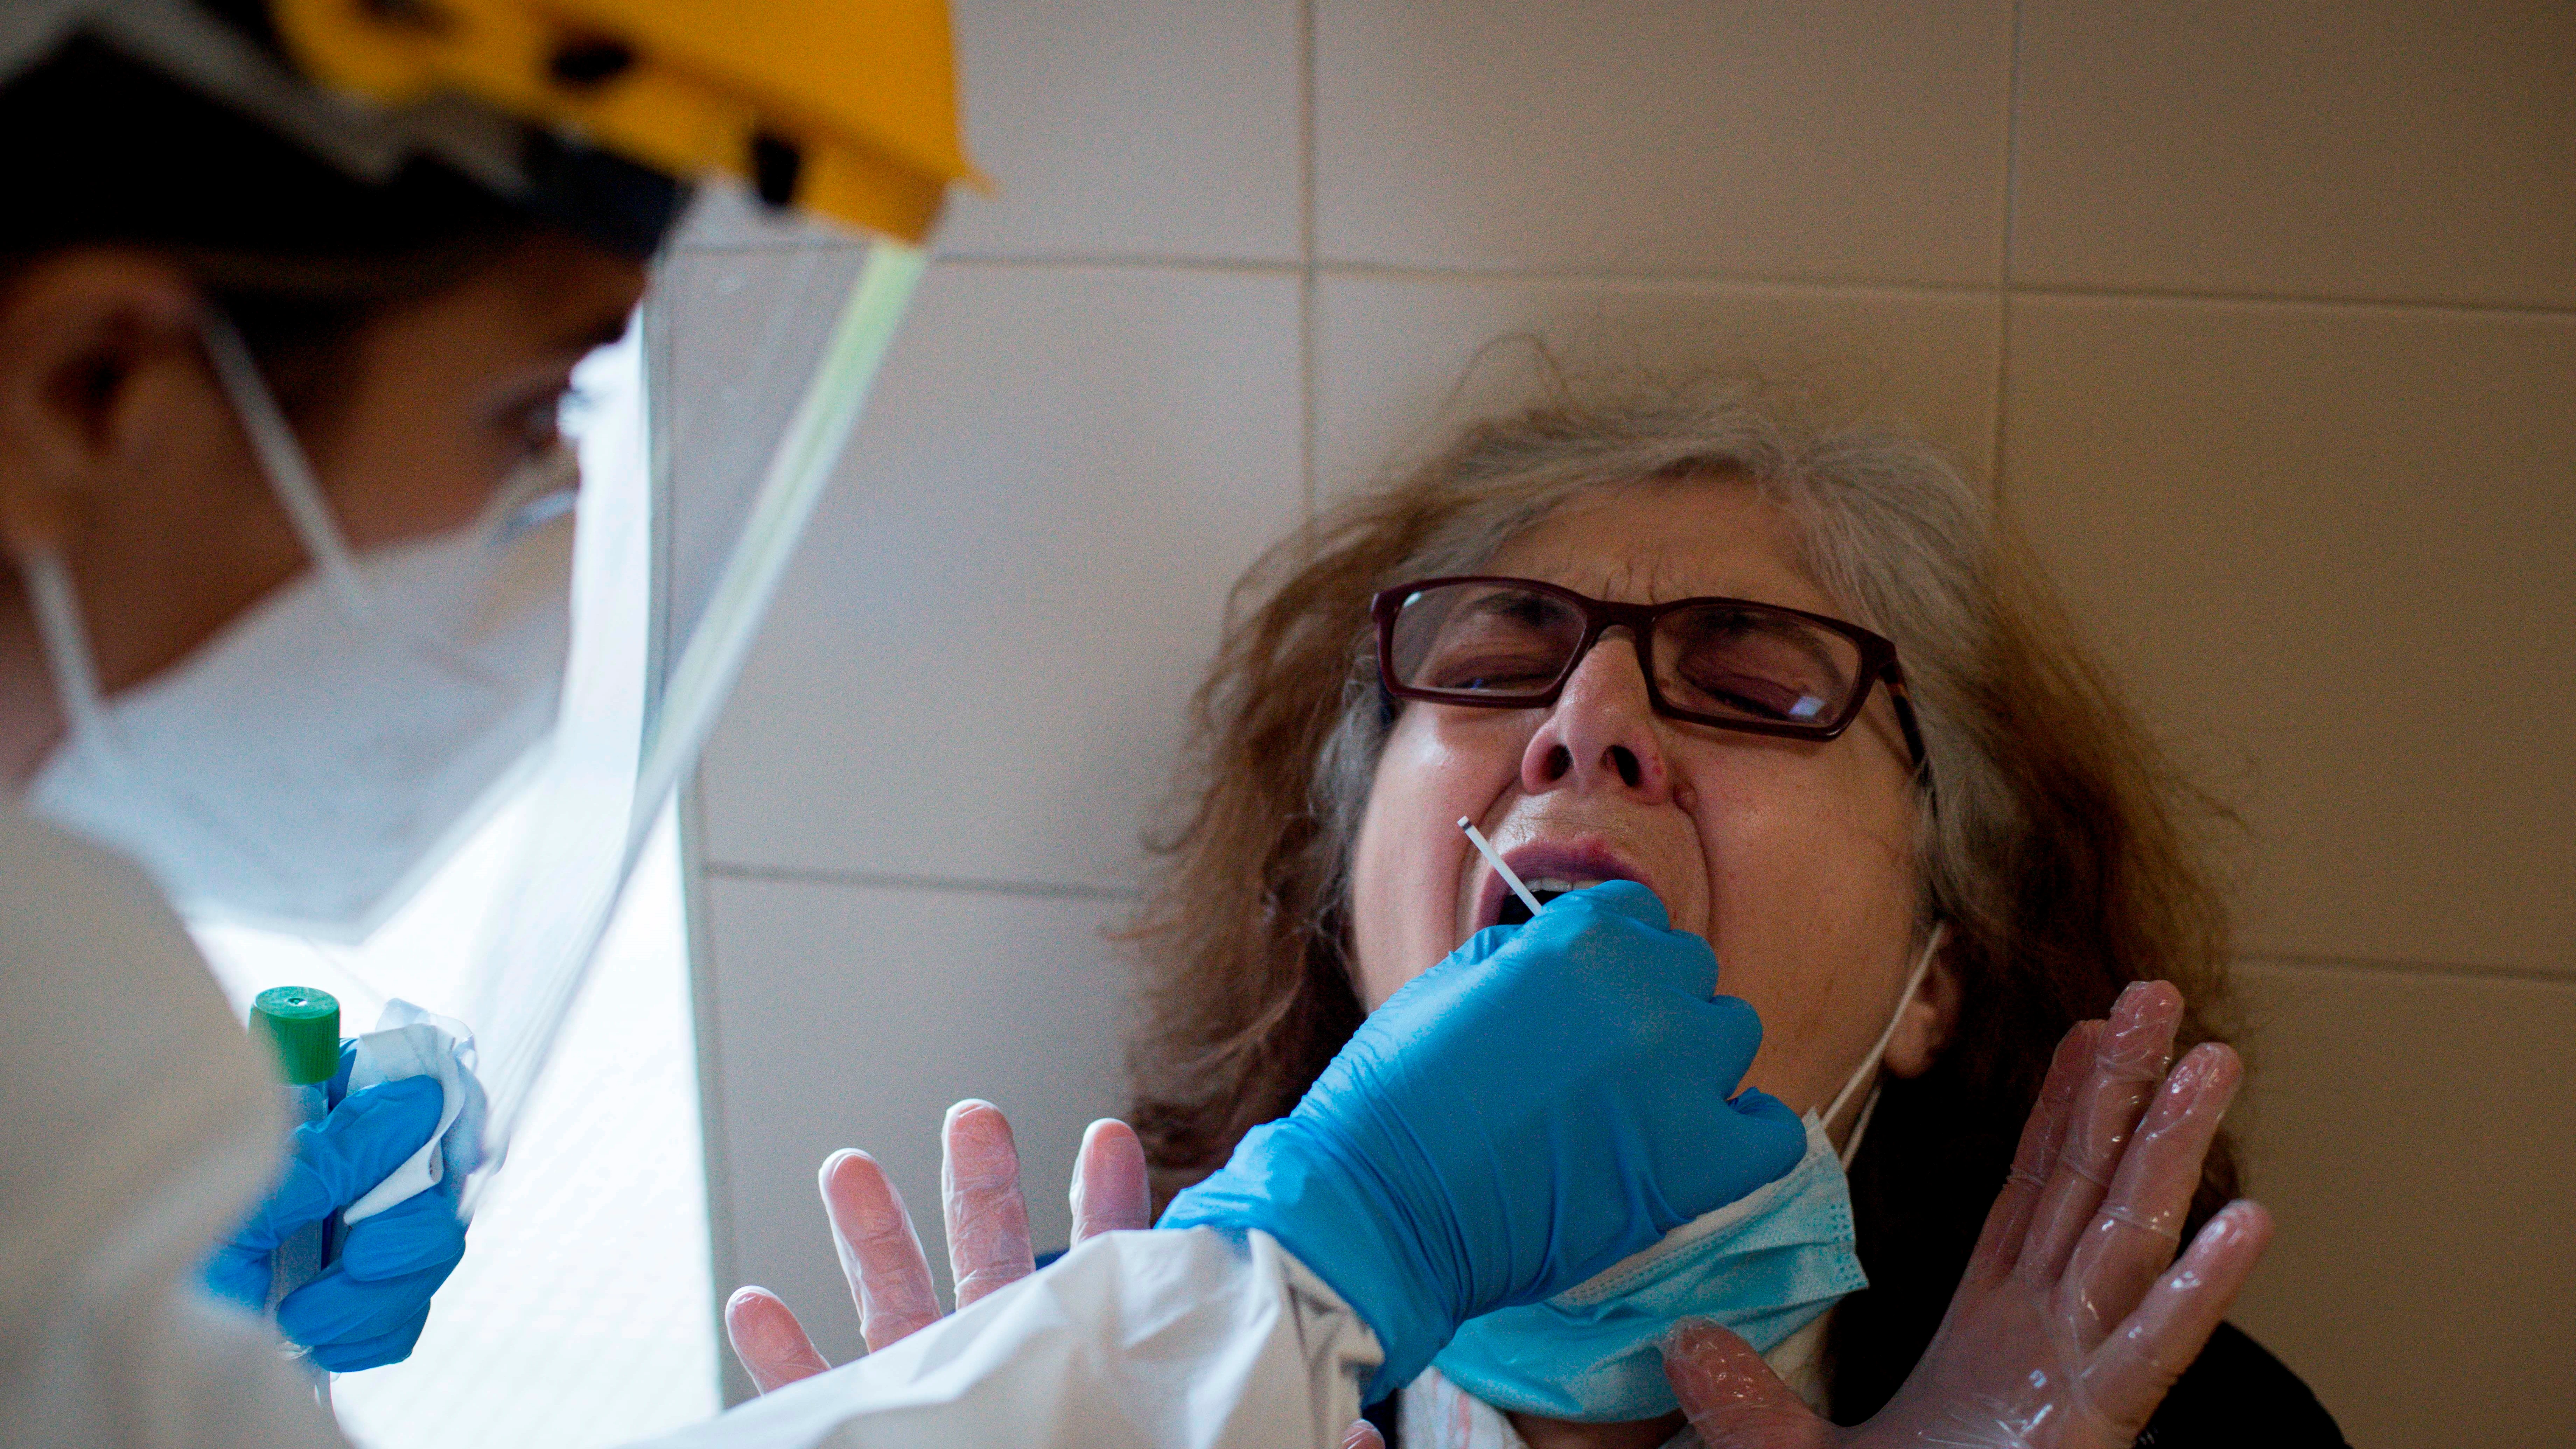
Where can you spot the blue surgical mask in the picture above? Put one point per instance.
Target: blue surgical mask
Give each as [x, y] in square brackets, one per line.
[1765, 1265]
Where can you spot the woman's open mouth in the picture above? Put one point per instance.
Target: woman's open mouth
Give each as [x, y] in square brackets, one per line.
[1551, 869]
[1546, 888]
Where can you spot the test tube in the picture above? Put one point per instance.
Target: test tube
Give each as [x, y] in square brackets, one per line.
[302, 1028]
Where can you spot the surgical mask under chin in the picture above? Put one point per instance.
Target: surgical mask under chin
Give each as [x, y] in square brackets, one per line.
[1765, 1265]
[309, 764]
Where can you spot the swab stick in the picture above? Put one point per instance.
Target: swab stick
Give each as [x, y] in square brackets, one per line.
[1494, 857]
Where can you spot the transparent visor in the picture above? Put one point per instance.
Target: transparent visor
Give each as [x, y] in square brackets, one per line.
[705, 438]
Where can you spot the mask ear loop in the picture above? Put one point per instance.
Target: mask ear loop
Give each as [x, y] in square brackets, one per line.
[60, 625]
[282, 460]
[66, 639]
[1867, 1071]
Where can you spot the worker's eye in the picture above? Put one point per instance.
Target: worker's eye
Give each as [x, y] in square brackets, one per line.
[533, 426]
[532, 422]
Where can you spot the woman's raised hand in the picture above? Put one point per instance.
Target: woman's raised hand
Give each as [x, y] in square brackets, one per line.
[2074, 1316]
[988, 1235]
[988, 1239]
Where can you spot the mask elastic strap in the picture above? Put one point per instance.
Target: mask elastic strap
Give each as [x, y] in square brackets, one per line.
[66, 640]
[1860, 1128]
[282, 459]
[1868, 1067]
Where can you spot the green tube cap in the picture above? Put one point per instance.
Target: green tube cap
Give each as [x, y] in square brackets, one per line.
[303, 1026]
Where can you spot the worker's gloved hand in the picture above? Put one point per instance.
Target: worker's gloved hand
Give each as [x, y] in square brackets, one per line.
[1551, 1098]
[367, 1309]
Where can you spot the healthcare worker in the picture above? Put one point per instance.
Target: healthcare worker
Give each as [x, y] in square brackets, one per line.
[289, 293]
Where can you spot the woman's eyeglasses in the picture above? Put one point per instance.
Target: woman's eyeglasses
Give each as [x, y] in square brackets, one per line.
[1505, 643]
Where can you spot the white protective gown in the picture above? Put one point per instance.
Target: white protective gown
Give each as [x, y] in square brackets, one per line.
[137, 1122]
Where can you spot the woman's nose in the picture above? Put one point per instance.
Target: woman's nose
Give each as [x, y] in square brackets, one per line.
[1601, 734]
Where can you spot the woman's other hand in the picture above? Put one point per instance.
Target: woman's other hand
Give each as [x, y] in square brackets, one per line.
[2074, 1316]
[988, 1236]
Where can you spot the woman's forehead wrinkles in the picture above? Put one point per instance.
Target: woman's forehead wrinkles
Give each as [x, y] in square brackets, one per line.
[1642, 574]
[1653, 545]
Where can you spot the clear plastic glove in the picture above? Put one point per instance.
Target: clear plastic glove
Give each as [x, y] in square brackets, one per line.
[988, 1235]
[1551, 1098]
[2074, 1316]
[368, 1308]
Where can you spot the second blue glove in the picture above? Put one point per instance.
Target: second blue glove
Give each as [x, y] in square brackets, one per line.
[368, 1308]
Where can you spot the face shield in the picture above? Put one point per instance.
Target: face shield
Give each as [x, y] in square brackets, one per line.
[818, 138]
[705, 439]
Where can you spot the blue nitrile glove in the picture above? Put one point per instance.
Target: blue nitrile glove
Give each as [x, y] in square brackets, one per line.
[1551, 1098]
[367, 1309]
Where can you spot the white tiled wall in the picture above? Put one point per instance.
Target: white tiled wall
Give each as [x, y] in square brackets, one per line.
[1857, 142]
[972, 671]
[2335, 548]
[1154, 129]
[2300, 148]
[2410, 1130]
[851, 1016]
[2263, 317]
[1392, 350]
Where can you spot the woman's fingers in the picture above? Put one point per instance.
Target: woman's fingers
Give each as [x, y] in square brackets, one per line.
[1363, 1435]
[2128, 1062]
[2134, 1235]
[1110, 1192]
[767, 1338]
[979, 1190]
[2129, 1373]
[2043, 1136]
[880, 1253]
[1731, 1397]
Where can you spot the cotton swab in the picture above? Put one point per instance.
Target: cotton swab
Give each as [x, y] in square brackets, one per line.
[1493, 857]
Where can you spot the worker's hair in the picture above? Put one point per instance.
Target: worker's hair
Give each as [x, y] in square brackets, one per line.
[100, 150]
[2060, 852]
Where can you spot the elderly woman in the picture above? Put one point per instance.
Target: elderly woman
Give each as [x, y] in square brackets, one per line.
[1793, 679]
[1791, 676]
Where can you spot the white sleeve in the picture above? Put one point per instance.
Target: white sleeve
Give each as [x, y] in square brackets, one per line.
[1177, 1340]
[137, 1123]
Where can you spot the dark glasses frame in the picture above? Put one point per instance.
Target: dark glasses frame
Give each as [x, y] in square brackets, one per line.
[1877, 661]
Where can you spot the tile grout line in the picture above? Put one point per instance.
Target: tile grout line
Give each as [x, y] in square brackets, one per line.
[1128, 261]
[1734, 281]
[2012, 150]
[1068, 890]
[2004, 261]
[2296, 301]
[1383, 271]
[882, 880]
[1308, 325]
[2442, 970]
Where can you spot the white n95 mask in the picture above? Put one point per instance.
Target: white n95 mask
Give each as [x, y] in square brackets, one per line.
[1765, 1266]
[316, 758]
